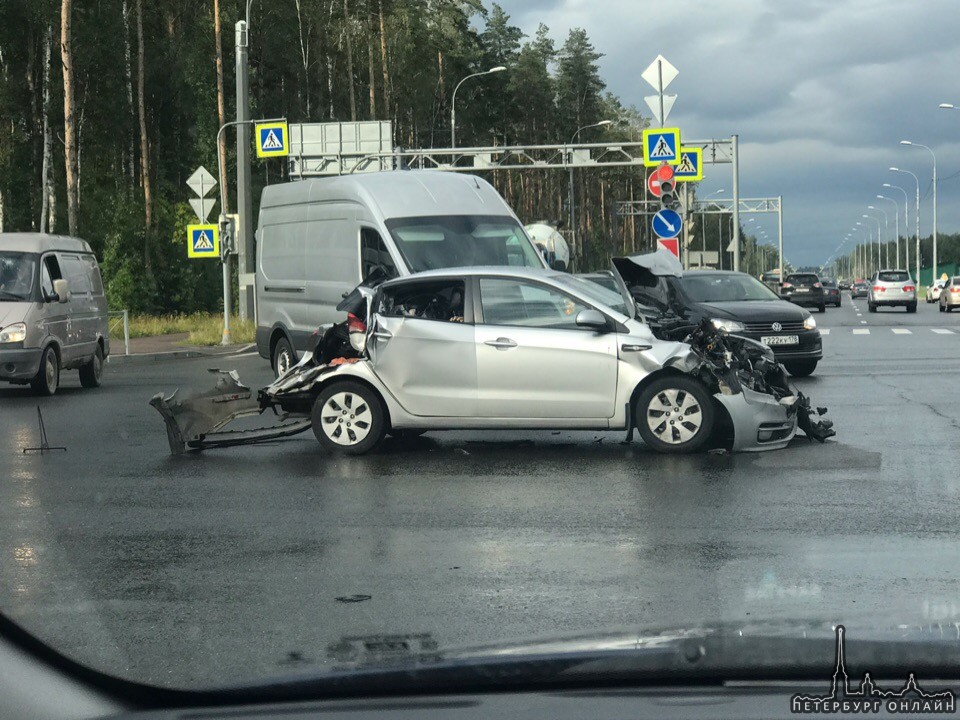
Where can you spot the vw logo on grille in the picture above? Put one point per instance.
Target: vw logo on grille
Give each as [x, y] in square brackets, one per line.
[776, 327]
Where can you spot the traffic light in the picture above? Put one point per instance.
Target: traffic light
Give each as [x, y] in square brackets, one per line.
[668, 193]
[227, 227]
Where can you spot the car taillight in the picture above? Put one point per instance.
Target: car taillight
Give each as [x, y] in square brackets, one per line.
[878, 288]
[786, 286]
[908, 288]
[355, 324]
[955, 288]
[817, 285]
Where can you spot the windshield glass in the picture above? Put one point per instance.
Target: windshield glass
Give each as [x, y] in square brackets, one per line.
[595, 292]
[725, 288]
[893, 277]
[17, 275]
[432, 243]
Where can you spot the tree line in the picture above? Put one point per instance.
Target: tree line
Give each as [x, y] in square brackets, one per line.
[107, 107]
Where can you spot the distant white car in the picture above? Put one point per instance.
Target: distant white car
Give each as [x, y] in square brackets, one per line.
[933, 291]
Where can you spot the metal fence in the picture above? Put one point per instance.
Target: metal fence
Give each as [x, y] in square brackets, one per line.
[118, 318]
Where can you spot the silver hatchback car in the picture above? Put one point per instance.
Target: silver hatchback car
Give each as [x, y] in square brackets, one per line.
[892, 288]
[508, 348]
[950, 295]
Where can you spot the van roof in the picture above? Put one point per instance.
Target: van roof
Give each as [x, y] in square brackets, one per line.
[40, 243]
[395, 193]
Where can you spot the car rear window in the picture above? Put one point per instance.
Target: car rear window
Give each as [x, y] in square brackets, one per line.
[830, 283]
[893, 276]
[805, 279]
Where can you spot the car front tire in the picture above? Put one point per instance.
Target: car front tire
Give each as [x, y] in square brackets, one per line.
[675, 414]
[801, 368]
[349, 418]
[284, 357]
[47, 379]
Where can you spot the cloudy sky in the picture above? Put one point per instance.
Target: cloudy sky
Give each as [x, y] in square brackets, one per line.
[819, 91]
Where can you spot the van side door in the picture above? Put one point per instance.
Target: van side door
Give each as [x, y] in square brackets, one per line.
[54, 315]
[81, 323]
[100, 320]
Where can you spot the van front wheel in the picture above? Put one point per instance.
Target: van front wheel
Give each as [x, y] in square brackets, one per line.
[47, 379]
[284, 357]
[91, 374]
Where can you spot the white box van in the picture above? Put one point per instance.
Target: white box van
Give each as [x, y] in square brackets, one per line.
[53, 311]
[318, 239]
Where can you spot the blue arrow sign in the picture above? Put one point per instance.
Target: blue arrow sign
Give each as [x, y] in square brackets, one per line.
[667, 223]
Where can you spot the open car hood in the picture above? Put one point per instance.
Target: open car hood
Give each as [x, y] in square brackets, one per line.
[644, 270]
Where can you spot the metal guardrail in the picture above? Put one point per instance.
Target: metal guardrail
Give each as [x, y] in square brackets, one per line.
[116, 317]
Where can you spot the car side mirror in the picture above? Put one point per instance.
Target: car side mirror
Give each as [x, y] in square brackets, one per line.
[61, 288]
[558, 265]
[593, 320]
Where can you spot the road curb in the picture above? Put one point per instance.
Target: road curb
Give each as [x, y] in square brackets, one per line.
[137, 358]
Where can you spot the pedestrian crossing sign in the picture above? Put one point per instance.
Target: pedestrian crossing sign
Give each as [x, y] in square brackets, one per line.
[272, 139]
[203, 241]
[690, 167]
[661, 145]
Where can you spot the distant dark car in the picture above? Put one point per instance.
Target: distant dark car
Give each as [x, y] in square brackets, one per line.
[860, 290]
[831, 292]
[844, 285]
[804, 289]
[741, 305]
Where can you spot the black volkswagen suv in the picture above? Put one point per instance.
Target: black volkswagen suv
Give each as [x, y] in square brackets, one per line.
[804, 289]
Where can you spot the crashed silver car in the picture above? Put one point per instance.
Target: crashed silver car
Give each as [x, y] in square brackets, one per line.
[511, 348]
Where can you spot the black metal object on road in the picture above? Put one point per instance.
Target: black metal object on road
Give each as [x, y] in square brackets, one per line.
[44, 444]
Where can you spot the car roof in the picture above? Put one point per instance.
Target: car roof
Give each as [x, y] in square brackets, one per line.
[705, 271]
[33, 242]
[479, 270]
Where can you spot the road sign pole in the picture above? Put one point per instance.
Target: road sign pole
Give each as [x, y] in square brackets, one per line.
[246, 245]
[660, 88]
[734, 151]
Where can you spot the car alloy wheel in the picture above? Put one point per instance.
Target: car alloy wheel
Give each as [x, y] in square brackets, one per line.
[348, 417]
[675, 414]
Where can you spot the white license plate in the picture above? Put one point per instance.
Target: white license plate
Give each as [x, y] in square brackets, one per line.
[803, 290]
[780, 340]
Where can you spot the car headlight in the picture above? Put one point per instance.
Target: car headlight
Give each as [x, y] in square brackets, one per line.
[810, 323]
[727, 325]
[13, 333]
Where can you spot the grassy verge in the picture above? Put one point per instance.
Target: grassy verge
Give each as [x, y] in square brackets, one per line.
[204, 328]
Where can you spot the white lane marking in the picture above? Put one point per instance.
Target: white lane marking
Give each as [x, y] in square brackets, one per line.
[825, 331]
[901, 331]
[861, 331]
[941, 331]
[863, 322]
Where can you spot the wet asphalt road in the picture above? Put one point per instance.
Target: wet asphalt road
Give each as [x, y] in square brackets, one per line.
[228, 566]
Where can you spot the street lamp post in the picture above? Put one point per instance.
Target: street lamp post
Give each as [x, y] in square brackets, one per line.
[877, 221]
[896, 217]
[886, 225]
[933, 260]
[453, 101]
[573, 215]
[906, 223]
[917, 220]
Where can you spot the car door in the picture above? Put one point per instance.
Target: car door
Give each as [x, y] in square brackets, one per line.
[533, 361]
[428, 365]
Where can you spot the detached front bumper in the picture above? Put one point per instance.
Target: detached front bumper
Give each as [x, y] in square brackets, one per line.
[19, 363]
[760, 421]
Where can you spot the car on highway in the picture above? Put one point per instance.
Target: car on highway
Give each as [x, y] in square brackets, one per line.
[844, 285]
[934, 290]
[53, 311]
[515, 348]
[950, 295]
[859, 289]
[804, 289]
[604, 278]
[831, 292]
[740, 304]
[892, 288]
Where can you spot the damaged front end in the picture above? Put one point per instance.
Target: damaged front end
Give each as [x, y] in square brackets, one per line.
[743, 375]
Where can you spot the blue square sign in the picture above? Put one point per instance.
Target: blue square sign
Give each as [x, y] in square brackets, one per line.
[661, 145]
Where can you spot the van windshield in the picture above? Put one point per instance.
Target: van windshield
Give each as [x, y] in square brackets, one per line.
[17, 273]
[444, 241]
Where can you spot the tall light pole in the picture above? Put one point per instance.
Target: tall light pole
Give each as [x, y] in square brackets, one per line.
[877, 221]
[886, 224]
[933, 260]
[572, 201]
[453, 101]
[906, 223]
[917, 246]
[896, 217]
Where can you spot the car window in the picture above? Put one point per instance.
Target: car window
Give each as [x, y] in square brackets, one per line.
[17, 274]
[374, 254]
[76, 275]
[93, 272]
[515, 302]
[802, 279]
[427, 300]
[726, 288]
[893, 276]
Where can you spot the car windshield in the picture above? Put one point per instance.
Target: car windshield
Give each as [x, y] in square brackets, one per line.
[893, 276]
[17, 275]
[595, 292]
[725, 288]
[436, 242]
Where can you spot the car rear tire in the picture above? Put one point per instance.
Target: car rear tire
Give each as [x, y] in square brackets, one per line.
[47, 379]
[348, 418]
[284, 357]
[912, 308]
[91, 374]
[940, 305]
[801, 368]
[871, 307]
[675, 414]
[821, 308]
